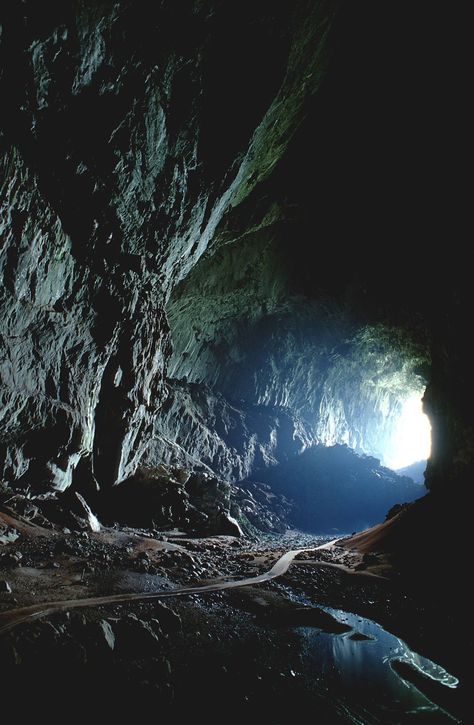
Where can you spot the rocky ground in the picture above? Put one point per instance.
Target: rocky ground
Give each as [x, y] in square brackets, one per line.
[185, 655]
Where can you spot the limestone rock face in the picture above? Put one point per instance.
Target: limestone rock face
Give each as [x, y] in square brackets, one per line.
[127, 133]
[199, 429]
[241, 324]
[233, 195]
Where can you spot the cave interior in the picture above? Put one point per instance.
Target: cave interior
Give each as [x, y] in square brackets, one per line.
[235, 320]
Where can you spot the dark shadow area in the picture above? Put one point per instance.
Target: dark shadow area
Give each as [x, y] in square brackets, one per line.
[336, 491]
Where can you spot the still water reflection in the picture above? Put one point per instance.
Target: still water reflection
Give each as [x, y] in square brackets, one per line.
[356, 674]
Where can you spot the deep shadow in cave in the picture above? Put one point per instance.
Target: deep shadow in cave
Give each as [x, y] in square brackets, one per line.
[231, 270]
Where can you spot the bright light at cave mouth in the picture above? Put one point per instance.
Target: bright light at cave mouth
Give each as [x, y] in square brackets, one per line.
[411, 440]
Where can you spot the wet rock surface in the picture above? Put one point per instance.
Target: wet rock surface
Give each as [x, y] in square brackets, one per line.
[250, 643]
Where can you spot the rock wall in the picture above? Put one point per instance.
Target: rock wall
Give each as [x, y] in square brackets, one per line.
[134, 137]
[128, 130]
[241, 324]
[198, 428]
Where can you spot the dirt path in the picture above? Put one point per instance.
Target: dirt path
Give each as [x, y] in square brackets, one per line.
[14, 617]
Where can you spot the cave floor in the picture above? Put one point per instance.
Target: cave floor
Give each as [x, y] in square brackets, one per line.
[306, 640]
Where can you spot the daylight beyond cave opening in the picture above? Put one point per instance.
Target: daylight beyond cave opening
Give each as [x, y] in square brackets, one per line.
[411, 437]
[296, 370]
[377, 412]
[286, 395]
[371, 399]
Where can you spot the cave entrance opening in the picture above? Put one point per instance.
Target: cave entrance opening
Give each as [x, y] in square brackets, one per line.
[410, 440]
[294, 390]
[372, 399]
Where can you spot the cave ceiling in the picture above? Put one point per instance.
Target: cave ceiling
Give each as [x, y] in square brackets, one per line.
[223, 194]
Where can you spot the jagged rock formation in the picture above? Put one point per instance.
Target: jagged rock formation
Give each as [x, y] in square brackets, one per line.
[115, 176]
[165, 498]
[249, 168]
[230, 238]
[324, 489]
[199, 429]
[241, 324]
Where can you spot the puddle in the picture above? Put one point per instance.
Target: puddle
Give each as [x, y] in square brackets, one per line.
[356, 674]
